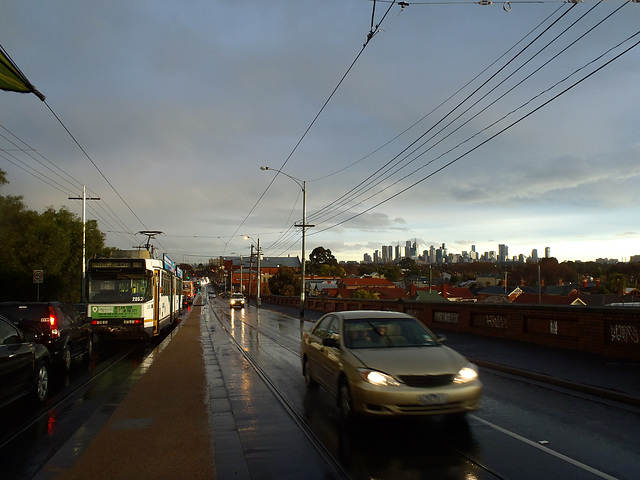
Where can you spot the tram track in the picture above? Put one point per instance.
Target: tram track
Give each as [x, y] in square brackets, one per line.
[280, 397]
[290, 408]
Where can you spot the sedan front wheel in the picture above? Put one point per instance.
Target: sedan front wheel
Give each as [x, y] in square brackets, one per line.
[345, 403]
[308, 379]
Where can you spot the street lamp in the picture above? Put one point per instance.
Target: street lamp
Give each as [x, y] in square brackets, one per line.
[302, 184]
[258, 301]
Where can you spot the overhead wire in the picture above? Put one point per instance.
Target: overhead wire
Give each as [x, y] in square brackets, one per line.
[94, 164]
[74, 184]
[374, 30]
[553, 98]
[356, 190]
[405, 163]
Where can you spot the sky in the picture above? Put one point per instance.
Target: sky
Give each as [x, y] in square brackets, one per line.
[454, 123]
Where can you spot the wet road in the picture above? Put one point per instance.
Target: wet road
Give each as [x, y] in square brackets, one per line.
[525, 430]
[81, 399]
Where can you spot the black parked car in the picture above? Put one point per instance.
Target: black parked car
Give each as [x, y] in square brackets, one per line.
[24, 365]
[56, 325]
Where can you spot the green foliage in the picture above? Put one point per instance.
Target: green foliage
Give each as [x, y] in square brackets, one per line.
[391, 272]
[364, 294]
[285, 282]
[50, 241]
[323, 263]
[409, 266]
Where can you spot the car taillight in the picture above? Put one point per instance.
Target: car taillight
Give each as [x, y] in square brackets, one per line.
[53, 322]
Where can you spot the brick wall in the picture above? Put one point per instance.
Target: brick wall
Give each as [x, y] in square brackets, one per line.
[607, 331]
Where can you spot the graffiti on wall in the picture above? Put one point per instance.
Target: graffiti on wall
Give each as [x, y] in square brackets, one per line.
[622, 333]
[496, 321]
[445, 317]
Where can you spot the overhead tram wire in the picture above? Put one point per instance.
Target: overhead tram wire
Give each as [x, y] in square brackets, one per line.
[33, 90]
[374, 30]
[399, 168]
[353, 206]
[73, 182]
[451, 162]
[27, 151]
[94, 164]
[52, 183]
[332, 206]
[349, 196]
[335, 214]
[495, 122]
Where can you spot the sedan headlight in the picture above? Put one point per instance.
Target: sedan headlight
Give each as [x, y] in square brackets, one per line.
[468, 373]
[377, 378]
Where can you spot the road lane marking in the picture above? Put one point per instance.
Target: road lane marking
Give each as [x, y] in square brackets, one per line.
[545, 449]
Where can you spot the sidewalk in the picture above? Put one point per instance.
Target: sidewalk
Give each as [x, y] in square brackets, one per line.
[161, 429]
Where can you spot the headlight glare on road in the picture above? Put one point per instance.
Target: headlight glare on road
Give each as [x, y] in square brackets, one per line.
[377, 378]
[468, 373]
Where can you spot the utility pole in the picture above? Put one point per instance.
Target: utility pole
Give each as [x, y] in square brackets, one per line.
[84, 199]
[258, 299]
[303, 185]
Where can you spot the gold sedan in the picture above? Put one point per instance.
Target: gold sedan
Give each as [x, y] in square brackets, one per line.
[386, 364]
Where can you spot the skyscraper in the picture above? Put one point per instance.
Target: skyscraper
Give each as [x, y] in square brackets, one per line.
[503, 253]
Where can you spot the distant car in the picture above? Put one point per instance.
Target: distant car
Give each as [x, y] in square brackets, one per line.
[56, 325]
[236, 300]
[387, 364]
[24, 365]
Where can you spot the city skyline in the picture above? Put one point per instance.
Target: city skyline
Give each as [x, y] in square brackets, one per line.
[436, 254]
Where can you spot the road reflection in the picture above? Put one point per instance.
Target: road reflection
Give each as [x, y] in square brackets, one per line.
[390, 448]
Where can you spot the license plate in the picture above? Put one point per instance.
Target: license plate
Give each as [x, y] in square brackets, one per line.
[433, 399]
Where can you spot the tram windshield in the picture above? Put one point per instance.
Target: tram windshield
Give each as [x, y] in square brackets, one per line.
[119, 288]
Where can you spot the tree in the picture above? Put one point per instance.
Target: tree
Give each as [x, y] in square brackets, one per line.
[323, 263]
[50, 241]
[285, 282]
[409, 266]
[364, 294]
[322, 256]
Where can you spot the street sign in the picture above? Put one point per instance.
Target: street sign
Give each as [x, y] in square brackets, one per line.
[38, 276]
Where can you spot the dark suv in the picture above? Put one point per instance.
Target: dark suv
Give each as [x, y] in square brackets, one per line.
[25, 365]
[56, 325]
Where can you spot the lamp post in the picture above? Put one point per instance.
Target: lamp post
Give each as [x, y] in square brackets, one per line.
[258, 300]
[302, 184]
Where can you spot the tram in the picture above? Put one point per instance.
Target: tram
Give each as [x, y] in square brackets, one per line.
[131, 295]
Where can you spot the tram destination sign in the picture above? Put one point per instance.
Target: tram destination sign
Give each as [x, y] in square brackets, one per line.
[115, 263]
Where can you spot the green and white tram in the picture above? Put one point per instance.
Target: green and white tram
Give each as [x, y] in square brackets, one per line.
[133, 295]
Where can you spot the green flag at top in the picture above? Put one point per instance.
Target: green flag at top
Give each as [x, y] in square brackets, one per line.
[12, 79]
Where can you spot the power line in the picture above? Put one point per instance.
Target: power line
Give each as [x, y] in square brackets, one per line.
[374, 30]
[332, 207]
[489, 138]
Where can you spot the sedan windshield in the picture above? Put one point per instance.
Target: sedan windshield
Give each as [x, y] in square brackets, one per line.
[386, 333]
